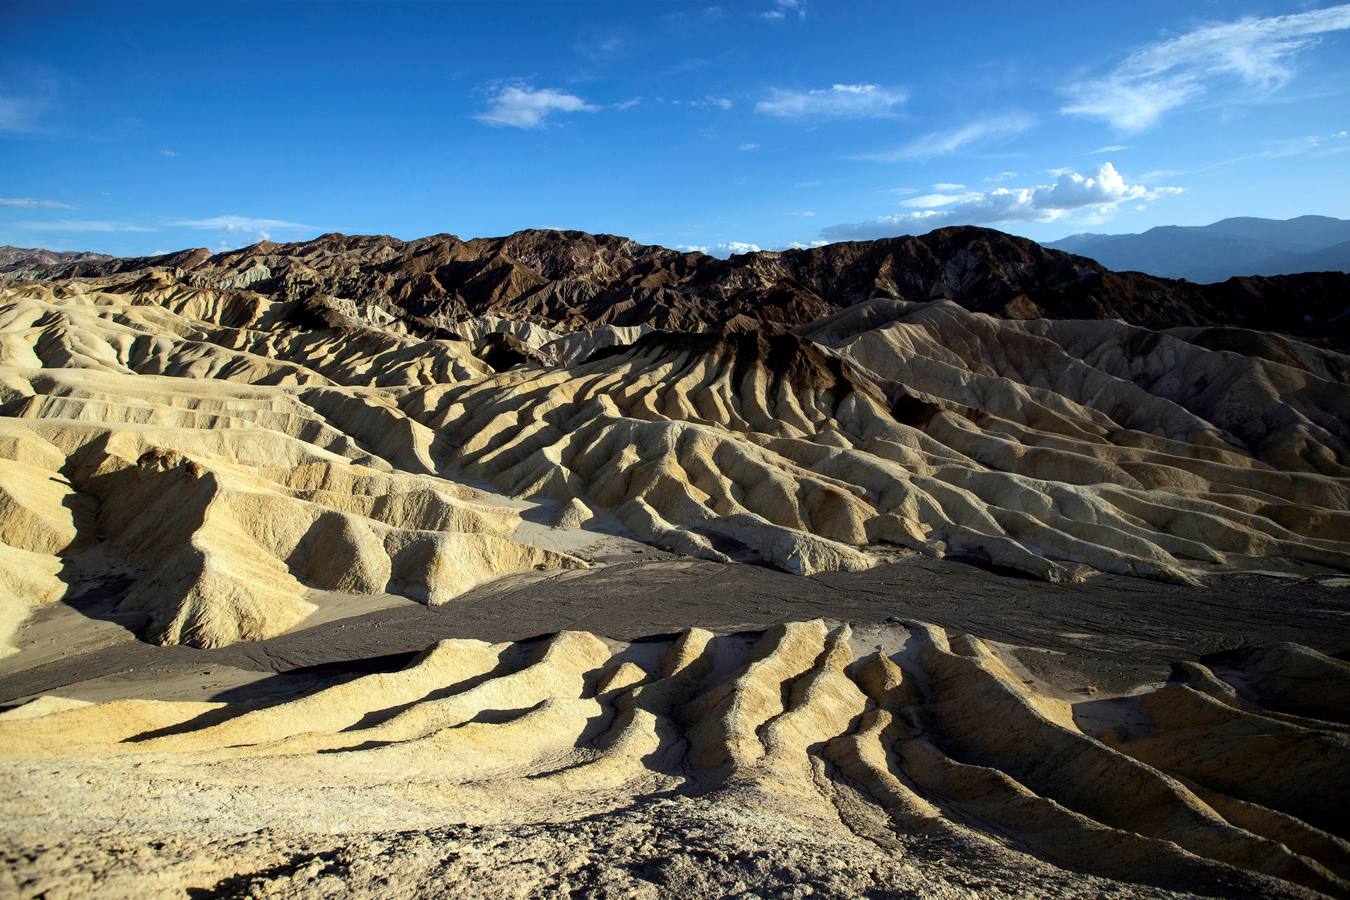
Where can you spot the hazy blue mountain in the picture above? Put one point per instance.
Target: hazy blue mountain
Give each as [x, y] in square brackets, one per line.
[1335, 258]
[1243, 245]
[1308, 232]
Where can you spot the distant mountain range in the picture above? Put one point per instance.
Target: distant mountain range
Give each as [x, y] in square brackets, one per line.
[574, 279]
[1238, 246]
[17, 257]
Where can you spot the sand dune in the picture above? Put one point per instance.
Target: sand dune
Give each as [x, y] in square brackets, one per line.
[866, 739]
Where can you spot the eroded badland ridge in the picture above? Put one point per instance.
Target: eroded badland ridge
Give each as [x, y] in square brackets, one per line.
[573, 279]
[261, 448]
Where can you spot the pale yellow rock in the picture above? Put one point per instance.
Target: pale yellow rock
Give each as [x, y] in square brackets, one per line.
[212, 434]
[194, 436]
[941, 739]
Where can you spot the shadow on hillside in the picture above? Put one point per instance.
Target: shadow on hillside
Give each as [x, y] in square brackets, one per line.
[102, 601]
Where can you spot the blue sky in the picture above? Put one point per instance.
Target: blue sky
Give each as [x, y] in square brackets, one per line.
[136, 128]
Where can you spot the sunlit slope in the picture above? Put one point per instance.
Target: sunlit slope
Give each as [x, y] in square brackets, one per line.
[234, 454]
[1230, 777]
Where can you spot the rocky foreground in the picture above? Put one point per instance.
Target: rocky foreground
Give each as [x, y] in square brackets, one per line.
[804, 756]
[233, 448]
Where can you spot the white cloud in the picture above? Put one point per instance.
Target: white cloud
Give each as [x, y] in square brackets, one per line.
[85, 225]
[748, 147]
[722, 250]
[262, 229]
[1095, 194]
[1300, 146]
[999, 177]
[838, 100]
[29, 203]
[798, 245]
[929, 201]
[782, 9]
[627, 104]
[1074, 191]
[1129, 107]
[942, 143]
[234, 224]
[948, 186]
[519, 106]
[1111, 148]
[1315, 145]
[806, 184]
[709, 102]
[168, 153]
[1255, 52]
[802, 213]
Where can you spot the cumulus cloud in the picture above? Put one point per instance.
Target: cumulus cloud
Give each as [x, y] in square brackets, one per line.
[798, 245]
[520, 106]
[838, 100]
[1256, 53]
[943, 143]
[1074, 191]
[29, 203]
[1098, 193]
[722, 250]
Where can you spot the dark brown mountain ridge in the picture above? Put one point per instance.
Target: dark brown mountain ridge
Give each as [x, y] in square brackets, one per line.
[573, 279]
[13, 258]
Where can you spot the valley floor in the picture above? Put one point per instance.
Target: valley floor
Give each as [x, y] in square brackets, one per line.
[160, 824]
[1110, 633]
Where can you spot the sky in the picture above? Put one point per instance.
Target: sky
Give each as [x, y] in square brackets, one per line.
[135, 128]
